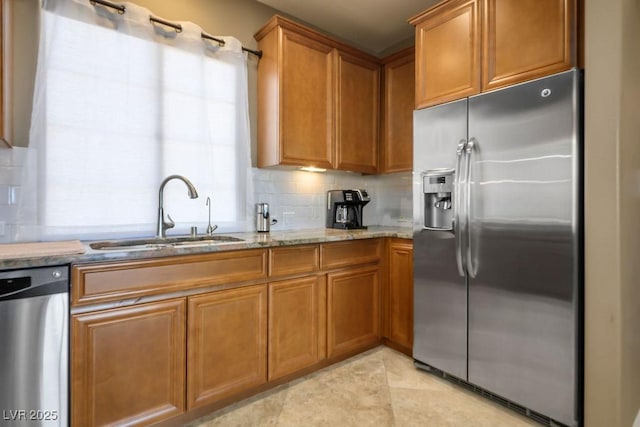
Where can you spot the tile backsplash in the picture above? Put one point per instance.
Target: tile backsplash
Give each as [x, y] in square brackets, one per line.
[11, 164]
[297, 199]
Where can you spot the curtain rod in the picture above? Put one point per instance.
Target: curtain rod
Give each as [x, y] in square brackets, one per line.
[122, 9]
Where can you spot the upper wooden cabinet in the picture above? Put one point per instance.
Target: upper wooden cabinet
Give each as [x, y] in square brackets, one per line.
[526, 39]
[295, 100]
[357, 113]
[318, 100]
[464, 47]
[396, 143]
[447, 52]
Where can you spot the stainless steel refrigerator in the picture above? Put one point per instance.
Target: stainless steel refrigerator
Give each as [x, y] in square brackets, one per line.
[498, 244]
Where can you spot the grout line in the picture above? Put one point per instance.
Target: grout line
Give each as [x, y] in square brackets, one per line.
[386, 375]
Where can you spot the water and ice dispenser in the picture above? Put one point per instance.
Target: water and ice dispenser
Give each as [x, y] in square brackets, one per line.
[437, 189]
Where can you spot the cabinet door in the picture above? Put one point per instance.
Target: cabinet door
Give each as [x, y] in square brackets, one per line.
[357, 114]
[401, 294]
[226, 343]
[397, 123]
[306, 118]
[447, 52]
[293, 325]
[127, 364]
[353, 321]
[526, 39]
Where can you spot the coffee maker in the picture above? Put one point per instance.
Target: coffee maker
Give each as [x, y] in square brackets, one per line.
[344, 208]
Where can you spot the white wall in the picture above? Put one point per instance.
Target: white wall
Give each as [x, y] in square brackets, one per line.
[11, 162]
[612, 212]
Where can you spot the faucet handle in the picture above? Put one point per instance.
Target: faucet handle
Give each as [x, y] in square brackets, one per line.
[211, 229]
[169, 223]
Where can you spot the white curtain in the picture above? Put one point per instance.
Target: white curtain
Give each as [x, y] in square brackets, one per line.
[121, 103]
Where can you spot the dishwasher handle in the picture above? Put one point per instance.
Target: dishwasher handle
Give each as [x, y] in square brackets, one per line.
[28, 283]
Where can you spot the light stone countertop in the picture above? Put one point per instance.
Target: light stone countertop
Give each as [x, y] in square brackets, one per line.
[249, 240]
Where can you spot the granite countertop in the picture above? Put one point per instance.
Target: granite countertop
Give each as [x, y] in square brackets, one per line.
[249, 240]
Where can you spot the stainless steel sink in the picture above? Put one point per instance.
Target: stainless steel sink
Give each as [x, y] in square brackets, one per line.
[159, 243]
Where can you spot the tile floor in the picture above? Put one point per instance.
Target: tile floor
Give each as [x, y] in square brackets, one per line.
[378, 388]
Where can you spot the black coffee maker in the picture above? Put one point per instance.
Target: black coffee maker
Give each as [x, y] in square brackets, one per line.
[344, 208]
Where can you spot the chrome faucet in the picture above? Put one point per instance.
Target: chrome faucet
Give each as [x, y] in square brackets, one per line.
[161, 230]
[210, 228]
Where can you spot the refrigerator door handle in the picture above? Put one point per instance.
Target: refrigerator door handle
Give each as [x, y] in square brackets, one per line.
[469, 149]
[457, 208]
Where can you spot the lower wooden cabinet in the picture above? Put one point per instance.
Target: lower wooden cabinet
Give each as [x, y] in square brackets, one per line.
[400, 295]
[353, 300]
[294, 325]
[127, 364]
[226, 343]
[146, 363]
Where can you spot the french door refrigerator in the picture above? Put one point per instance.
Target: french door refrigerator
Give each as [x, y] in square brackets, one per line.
[498, 244]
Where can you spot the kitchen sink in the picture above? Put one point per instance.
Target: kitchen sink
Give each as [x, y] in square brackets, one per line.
[159, 243]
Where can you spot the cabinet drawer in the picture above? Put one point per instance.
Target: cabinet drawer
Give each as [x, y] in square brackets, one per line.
[114, 281]
[347, 254]
[293, 260]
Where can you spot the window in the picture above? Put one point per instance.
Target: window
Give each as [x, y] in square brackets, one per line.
[122, 103]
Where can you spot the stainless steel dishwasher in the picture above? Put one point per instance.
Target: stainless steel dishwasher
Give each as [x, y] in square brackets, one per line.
[34, 340]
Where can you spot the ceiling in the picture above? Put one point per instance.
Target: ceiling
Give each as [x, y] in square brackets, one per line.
[373, 25]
